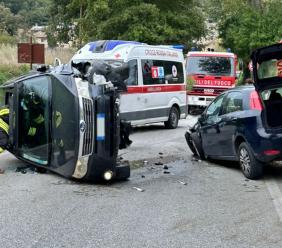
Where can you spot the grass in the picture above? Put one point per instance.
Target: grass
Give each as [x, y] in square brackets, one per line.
[9, 66]
[10, 71]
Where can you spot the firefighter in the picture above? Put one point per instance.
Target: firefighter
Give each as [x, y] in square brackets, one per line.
[4, 128]
[34, 118]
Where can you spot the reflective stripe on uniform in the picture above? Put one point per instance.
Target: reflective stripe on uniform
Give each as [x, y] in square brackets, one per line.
[4, 126]
[4, 112]
[58, 118]
[31, 131]
[1, 150]
[39, 119]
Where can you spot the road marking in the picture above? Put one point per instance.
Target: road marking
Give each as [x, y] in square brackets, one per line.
[276, 195]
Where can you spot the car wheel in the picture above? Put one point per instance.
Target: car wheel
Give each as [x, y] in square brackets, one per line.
[173, 119]
[250, 167]
[197, 143]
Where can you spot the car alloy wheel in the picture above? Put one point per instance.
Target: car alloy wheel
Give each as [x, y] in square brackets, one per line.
[250, 166]
[245, 160]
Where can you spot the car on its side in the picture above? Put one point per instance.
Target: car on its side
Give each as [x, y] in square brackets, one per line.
[245, 124]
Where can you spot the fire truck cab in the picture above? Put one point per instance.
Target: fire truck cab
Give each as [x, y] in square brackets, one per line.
[209, 73]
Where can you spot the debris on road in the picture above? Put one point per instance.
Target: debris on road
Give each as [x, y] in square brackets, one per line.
[145, 162]
[21, 169]
[138, 189]
[183, 183]
[197, 159]
[158, 163]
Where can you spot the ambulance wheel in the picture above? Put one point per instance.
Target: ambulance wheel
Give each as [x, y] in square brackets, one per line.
[173, 118]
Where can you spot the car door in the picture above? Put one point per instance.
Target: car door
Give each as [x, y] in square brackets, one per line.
[229, 122]
[209, 127]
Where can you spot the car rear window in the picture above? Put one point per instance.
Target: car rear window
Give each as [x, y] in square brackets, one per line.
[270, 68]
[272, 94]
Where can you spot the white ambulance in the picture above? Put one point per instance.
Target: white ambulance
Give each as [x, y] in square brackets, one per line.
[156, 86]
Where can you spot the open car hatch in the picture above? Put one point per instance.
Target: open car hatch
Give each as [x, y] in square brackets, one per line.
[268, 69]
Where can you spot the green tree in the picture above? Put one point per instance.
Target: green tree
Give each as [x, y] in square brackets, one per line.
[245, 25]
[154, 22]
[32, 12]
[8, 21]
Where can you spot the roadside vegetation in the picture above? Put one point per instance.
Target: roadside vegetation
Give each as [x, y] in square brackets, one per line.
[242, 25]
[9, 67]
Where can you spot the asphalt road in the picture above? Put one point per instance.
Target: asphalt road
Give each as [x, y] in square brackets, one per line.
[217, 207]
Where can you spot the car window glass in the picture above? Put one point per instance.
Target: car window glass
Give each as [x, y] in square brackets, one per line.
[162, 72]
[271, 95]
[133, 73]
[63, 124]
[34, 109]
[213, 110]
[269, 68]
[233, 103]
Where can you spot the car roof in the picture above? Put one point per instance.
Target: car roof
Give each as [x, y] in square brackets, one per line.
[241, 88]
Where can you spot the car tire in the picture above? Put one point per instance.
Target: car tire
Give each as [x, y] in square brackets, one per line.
[173, 119]
[251, 168]
[197, 143]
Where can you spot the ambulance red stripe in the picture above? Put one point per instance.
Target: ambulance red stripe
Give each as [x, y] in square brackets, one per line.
[155, 88]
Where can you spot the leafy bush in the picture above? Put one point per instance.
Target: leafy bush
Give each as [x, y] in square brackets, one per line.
[190, 83]
[7, 39]
[11, 71]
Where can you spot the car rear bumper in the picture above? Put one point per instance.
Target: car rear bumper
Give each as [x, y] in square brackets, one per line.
[268, 146]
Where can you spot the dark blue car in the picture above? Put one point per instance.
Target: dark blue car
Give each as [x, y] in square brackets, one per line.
[245, 124]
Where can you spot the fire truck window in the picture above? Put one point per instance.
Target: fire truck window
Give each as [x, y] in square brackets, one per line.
[162, 72]
[33, 119]
[217, 66]
[133, 73]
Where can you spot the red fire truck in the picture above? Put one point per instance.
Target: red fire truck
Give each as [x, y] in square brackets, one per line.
[209, 74]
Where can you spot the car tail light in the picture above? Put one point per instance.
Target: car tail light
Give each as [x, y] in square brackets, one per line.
[271, 152]
[255, 102]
